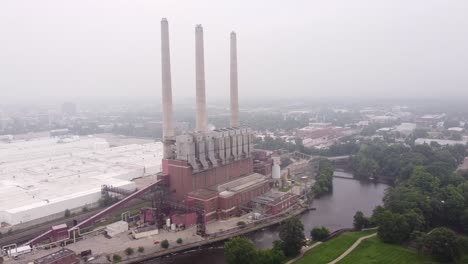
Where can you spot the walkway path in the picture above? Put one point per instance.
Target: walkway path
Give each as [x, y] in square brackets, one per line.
[303, 251]
[349, 250]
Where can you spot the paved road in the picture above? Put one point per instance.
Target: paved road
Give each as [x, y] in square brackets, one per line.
[349, 250]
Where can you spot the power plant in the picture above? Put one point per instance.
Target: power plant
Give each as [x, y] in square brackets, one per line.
[210, 170]
[206, 175]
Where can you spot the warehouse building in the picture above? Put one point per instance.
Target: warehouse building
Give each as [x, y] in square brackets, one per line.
[40, 179]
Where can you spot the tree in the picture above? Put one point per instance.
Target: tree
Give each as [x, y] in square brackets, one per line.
[241, 224]
[393, 228]
[319, 233]
[67, 213]
[292, 235]
[324, 179]
[179, 240]
[423, 180]
[239, 250]
[141, 249]
[165, 244]
[360, 221]
[116, 258]
[269, 256]
[443, 244]
[129, 251]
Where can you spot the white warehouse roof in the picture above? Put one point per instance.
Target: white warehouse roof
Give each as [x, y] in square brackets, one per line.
[43, 177]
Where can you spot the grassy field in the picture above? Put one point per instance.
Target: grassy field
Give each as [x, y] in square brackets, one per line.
[372, 250]
[332, 249]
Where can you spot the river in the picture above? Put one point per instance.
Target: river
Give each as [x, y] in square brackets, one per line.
[335, 211]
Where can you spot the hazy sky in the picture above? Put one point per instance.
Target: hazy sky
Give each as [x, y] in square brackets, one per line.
[310, 48]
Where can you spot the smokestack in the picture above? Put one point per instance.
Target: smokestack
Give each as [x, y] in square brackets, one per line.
[168, 129]
[201, 121]
[234, 89]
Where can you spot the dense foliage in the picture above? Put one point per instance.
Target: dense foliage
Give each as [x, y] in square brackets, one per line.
[319, 233]
[324, 179]
[427, 194]
[292, 237]
[240, 250]
[360, 221]
[444, 244]
[398, 161]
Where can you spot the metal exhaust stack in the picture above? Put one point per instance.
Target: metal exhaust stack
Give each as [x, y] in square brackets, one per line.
[168, 128]
[201, 119]
[234, 87]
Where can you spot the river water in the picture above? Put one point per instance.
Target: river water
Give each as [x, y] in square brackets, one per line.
[335, 211]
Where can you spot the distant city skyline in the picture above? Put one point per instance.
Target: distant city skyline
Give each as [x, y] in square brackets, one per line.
[306, 49]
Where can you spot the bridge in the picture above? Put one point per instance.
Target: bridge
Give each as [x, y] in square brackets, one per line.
[301, 155]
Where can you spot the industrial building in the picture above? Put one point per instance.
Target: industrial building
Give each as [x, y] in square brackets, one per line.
[205, 174]
[212, 171]
[40, 179]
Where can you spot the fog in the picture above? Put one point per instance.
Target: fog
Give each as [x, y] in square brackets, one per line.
[347, 48]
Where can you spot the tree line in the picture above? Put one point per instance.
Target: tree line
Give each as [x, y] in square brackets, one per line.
[428, 203]
[241, 250]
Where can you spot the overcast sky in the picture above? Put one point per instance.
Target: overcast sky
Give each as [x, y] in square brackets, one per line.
[310, 48]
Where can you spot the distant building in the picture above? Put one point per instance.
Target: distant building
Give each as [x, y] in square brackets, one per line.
[383, 119]
[59, 132]
[456, 129]
[430, 120]
[406, 128]
[442, 142]
[69, 109]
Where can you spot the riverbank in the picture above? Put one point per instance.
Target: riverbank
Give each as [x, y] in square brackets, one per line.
[104, 248]
[219, 236]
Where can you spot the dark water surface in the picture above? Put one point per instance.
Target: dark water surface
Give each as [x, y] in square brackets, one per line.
[334, 211]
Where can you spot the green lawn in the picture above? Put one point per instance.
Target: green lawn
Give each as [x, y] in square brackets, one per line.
[372, 251]
[332, 249]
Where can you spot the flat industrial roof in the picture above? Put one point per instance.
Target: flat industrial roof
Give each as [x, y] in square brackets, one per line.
[45, 171]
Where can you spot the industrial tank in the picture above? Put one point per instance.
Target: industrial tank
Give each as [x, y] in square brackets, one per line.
[276, 171]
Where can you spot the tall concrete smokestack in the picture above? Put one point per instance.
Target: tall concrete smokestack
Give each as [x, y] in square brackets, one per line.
[168, 128]
[201, 121]
[234, 89]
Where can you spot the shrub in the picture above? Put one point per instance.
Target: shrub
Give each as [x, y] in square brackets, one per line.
[116, 258]
[67, 213]
[165, 243]
[179, 240]
[241, 224]
[319, 233]
[84, 209]
[129, 251]
[141, 249]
